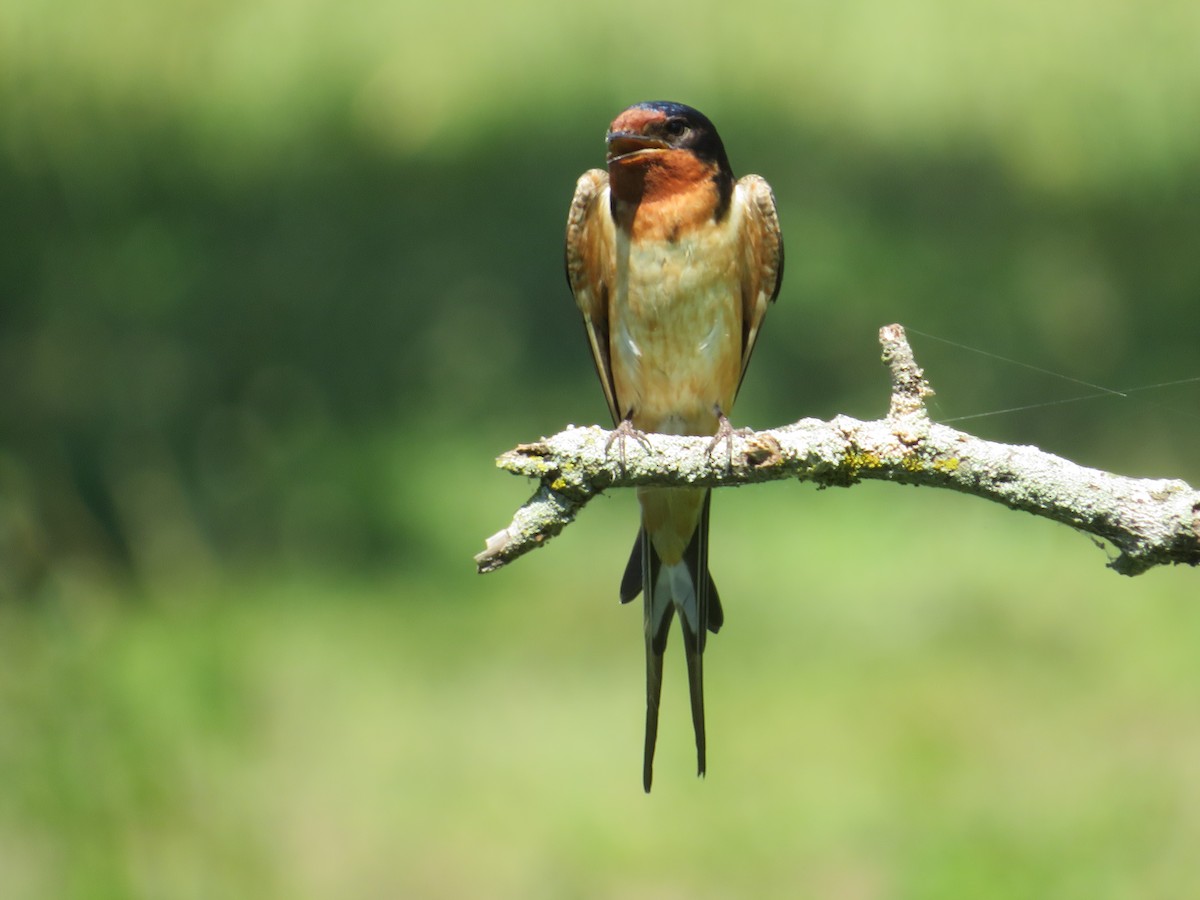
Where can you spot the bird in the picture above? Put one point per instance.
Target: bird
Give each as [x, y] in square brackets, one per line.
[673, 264]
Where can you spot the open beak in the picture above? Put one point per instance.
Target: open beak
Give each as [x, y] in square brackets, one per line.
[626, 143]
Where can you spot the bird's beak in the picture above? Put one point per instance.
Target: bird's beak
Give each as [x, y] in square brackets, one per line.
[626, 143]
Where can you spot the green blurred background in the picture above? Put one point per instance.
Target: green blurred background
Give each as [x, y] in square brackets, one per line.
[280, 280]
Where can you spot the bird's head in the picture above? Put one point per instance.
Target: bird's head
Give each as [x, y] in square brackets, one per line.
[646, 130]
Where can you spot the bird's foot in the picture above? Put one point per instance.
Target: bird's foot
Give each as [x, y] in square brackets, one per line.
[620, 435]
[726, 433]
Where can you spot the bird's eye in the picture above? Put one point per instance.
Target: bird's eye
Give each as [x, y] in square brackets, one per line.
[675, 127]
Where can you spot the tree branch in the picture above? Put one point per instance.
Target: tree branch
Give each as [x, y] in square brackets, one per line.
[1150, 522]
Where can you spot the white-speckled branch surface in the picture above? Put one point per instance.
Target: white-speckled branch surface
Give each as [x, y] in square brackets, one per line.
[1150, 522]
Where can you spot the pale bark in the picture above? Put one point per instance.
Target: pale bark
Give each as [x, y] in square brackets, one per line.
[1150, 522]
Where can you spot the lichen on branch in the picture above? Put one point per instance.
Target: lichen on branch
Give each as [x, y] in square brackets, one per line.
[1149, 521]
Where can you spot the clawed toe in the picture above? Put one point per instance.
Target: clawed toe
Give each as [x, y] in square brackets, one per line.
[726, 432]
[620, 435]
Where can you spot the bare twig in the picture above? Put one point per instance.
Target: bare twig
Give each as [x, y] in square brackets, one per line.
[1150, 522]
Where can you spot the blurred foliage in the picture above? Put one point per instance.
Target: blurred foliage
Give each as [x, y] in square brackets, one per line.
[246, 239]
[280, 279]
[983, 711]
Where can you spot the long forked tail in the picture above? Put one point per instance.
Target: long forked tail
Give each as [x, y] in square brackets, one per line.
[685, 588]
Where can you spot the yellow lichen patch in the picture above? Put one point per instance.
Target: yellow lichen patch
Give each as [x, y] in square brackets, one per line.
[858, 460]
[912, 463]
[946, 465]
[558, 484]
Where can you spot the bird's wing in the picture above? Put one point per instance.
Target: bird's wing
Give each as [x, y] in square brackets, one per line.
[591, 265]
[762, 246]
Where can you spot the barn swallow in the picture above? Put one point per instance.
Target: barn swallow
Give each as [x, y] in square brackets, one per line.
[673, 264]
